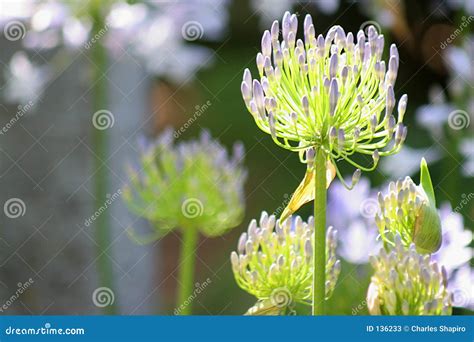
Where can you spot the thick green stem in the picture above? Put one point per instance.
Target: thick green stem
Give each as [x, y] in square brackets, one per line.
[186, 272]
[319, 245]
[99, 145]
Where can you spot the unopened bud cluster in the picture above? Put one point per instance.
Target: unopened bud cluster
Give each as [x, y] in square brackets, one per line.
[407, 283]
[273, 256]
[191, 185]
[333, 92]
[406, 211]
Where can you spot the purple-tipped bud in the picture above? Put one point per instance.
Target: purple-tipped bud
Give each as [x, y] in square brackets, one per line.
[344, 73]
[350, 42]
[394, 52]
[392, 71]
[241, 244]
[275, 30]
[333, 96]
[308, 248]
[258, 97]
[291, 40]
[310, 154]
[333, 66]
[246, 93]
[402, 106]
[356, 176]
[376, 156]
[294, 23]
[341, 138]
[278, 57]
[308, 21]
[399, 134]
[332, 134]
[305, 104]
[286, 25]
[373, 122]
[271, 124]
[390, 100]
[247, 77]
[294, 117]
[266, 44]
[379, 46]
[260, 63]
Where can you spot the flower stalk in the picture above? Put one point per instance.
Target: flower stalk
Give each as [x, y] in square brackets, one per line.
[186, 269]
[319, 255]
[99, 143]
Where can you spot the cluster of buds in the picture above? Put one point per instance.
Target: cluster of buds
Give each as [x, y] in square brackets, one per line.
[191, 185]
[333, 92]
[407, 283]
[409, 211]
[274, 260]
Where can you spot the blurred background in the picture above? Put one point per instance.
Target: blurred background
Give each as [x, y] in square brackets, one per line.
[143, 66]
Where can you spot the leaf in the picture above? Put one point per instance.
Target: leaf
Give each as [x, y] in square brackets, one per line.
[425, 182]
[304, 193]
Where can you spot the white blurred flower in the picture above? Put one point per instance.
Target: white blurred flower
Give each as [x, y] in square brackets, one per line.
[466, 148]
[407, 161]
[460, 285]
[24, 80]
[358, 233]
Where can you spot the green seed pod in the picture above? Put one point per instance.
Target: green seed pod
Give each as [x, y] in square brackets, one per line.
[409, 210]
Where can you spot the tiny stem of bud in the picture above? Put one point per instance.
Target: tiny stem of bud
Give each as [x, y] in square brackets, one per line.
[319, 244]
[186, 270]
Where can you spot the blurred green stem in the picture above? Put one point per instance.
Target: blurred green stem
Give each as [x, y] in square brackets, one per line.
[319, 244]
[99, 145]
[186, 269]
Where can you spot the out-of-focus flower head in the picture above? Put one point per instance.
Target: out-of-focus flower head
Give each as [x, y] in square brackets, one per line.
[407, 283]
[270, 9]
[274, 262]
[327, 92]
[191, 185]
[24, 80]
[409, 211]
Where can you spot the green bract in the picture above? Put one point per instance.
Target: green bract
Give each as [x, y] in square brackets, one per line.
[274, 262]
[407, 283]
[191, 185]
[409, 210]
[333, 92]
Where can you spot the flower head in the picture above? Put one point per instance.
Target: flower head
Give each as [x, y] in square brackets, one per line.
[406, 283]
[274, 260]
[409, 210]
[191, 185]
[333, 92]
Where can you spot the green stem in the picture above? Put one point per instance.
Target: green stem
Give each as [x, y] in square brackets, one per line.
[319, 244]
[186, 272]
[99, 145]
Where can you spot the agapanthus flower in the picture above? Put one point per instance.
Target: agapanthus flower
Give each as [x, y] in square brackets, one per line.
[333, 93]
[409, 211]
[407, 283]
[190, 185]
[274, 261]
